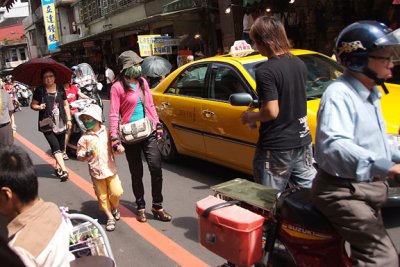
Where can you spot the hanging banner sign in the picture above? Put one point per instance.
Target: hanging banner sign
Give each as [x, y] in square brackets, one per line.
[50, 24]
[145, 42]
[163, 45]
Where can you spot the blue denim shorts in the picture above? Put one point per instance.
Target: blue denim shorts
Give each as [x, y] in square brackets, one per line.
[277, 168]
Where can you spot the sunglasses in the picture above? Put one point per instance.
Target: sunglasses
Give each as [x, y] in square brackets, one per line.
[387, 60]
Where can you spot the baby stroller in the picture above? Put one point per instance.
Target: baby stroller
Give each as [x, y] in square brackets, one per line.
[88, 242]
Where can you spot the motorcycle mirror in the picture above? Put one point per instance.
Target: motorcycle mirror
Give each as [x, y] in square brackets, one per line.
[99, 86]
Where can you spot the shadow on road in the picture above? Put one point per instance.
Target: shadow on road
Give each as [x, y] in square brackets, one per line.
[91, 208]
[191, 226]
[191, 167]
[45, 171]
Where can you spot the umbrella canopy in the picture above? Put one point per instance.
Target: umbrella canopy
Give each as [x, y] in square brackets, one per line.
[30, 72]
[155, 66]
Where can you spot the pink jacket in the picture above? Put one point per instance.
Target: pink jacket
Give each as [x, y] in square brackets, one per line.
[123, 104]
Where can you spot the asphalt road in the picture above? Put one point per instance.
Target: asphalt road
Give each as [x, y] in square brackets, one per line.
[155, 243]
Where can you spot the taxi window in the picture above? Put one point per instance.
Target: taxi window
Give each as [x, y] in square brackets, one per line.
[224, 82]
[321, 72]
[190, 82]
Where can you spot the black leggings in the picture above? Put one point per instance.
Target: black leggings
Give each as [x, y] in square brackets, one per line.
[56, 141]
[133, 154]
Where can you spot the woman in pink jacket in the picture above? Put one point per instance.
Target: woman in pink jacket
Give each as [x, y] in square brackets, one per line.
[131, 100]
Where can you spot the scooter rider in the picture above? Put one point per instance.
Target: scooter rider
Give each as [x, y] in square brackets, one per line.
[352, 149]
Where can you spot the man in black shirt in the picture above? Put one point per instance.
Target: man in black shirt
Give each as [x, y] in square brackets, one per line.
[284, 149]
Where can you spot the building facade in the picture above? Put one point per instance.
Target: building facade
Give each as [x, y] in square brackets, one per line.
[96, 31]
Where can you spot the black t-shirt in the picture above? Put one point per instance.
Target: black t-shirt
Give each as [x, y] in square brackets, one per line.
[284, 79]
[42, 96]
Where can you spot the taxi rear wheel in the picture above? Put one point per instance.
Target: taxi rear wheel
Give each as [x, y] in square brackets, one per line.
[167, 146]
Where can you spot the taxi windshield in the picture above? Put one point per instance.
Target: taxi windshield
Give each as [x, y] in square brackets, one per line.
[321, 72]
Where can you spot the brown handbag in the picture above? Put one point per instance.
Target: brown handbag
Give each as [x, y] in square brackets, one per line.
[46, 125]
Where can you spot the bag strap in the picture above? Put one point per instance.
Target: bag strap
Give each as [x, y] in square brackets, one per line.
[144, 97]
[45, 93]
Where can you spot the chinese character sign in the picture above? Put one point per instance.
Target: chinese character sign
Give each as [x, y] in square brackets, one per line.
[145, 42]
[50, 24]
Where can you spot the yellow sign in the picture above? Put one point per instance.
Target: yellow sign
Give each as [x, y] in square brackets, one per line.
[50, 24]
[145, 42]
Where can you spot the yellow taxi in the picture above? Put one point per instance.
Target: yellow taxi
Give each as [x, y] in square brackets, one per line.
[193, 105]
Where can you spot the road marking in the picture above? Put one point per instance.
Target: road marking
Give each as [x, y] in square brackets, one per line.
[167, 246]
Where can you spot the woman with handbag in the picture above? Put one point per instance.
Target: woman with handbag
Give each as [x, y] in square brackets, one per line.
[54, 117]
[134, 119]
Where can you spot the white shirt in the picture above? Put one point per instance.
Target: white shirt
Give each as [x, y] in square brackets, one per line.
[110, 75]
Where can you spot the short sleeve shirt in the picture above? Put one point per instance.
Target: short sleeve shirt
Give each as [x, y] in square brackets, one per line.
[6, 107]
[41, 96]
[72, 93]
[284, 79]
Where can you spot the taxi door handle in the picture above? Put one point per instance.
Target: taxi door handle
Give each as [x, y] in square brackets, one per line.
[165, 104]
[208, 113]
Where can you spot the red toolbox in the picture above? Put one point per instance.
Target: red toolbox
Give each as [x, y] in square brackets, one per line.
[231, 232]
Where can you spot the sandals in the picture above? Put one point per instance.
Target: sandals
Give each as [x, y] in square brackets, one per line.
[57, 172]
[116, 214]
[141, 216]
[110, 225]
[63, 176]
[161, 215]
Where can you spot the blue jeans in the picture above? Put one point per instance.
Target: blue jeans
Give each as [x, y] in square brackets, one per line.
[275, 168]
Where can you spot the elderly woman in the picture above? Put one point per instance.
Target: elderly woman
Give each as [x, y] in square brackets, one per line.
[131, 100]
[51, 102]
[6, 118]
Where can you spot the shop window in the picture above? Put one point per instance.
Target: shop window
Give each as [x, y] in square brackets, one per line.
[22, 53]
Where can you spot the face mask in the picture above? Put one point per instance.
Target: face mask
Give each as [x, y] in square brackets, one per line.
[89, 124]
[134, 71]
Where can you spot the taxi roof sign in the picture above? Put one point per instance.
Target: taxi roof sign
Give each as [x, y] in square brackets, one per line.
[241, 48]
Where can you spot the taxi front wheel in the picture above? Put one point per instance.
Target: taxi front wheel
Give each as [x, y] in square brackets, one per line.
[167, 146]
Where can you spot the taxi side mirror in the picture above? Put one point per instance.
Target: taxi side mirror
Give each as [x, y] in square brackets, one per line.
[242, 100]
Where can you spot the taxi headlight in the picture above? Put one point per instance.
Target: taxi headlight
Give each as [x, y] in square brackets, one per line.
[394, 140]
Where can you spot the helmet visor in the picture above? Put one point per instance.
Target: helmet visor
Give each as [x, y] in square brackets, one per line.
[391, 41]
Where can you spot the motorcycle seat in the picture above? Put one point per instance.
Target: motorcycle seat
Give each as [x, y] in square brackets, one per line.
[298, 209]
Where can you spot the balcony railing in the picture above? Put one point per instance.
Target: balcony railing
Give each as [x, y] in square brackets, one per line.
[94, 9]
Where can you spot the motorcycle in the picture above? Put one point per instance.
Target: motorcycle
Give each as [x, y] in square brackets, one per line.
[14, 100]
[23, 94]
[85, 79]
[295, 233]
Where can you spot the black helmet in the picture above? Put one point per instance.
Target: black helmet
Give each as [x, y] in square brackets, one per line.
[358, 40]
